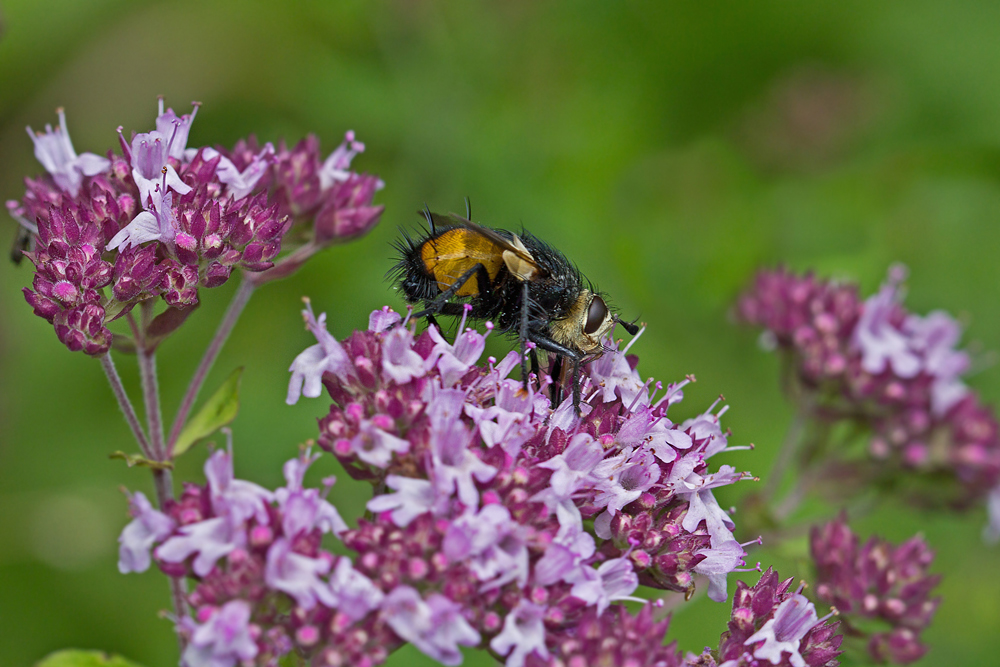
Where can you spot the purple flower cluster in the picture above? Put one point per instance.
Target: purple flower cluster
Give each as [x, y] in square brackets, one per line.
[265, 587]
[505, 521]
[163, 219]
[615, 637]
[877, 580]
[772, 625]
[896, 372]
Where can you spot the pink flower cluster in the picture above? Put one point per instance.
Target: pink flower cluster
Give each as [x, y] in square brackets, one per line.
[522, 519]
[499, 521]
[265, 586]
[772, 625]
[163, 220]
[880, 581]
[896, 372]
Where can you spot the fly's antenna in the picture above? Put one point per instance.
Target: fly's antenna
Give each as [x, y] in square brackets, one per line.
[430, 219]
[630, 327]
[468, 209]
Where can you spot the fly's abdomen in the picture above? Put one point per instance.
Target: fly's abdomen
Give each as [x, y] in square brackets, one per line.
[453, 253]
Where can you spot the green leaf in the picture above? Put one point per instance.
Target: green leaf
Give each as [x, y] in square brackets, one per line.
[78, 658]
[114, 309]
[141, 461]
[218, 411]
[290, 660]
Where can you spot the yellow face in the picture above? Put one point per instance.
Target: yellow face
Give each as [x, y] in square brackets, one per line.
[589, 321]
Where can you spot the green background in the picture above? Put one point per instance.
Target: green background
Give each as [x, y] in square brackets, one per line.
[668, 149]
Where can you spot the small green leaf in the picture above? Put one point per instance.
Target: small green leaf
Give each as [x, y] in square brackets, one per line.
[114, 309]
[218, 411]
[141, 461]
[78, 658]
[290, 660]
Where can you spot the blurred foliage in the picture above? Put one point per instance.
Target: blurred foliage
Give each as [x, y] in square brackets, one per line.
[667, 148]
[84, 659]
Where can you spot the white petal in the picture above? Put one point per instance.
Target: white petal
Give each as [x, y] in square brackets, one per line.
[92, 165]
[144, 227]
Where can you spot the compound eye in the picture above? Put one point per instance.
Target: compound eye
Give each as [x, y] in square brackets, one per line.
[596, 315]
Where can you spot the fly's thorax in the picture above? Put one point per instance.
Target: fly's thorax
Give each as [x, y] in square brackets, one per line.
[586, 323]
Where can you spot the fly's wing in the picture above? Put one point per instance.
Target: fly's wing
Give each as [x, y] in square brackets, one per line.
[455, 220]
[518, 258]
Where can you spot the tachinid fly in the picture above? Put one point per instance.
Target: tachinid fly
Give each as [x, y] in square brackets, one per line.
[524, 285]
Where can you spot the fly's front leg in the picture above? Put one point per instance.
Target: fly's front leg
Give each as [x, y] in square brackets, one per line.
[550, 345]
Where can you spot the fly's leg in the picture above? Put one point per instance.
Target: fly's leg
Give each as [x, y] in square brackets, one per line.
[576, 386]
[535, 369]
[440, 306]
[437, 305]
[556, 393]
[550, 345]
[522, 334]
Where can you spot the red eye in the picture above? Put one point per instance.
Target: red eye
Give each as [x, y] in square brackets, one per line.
[595, 316]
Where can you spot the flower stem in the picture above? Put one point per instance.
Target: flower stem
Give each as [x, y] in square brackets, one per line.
[126, 405]
[151, 397]
[787, 505]
[178, 593]
[287, 264]
[162, 479]
[150, 386]
[236, 306]
[163, 483]
[787, 453]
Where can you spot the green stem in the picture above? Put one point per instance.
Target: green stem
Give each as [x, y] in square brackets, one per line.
[151, 397]
[125, 404]
[162, 477]
[789, 449]
[236, 306]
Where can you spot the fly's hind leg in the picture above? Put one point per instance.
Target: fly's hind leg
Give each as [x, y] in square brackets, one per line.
[439, 305]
